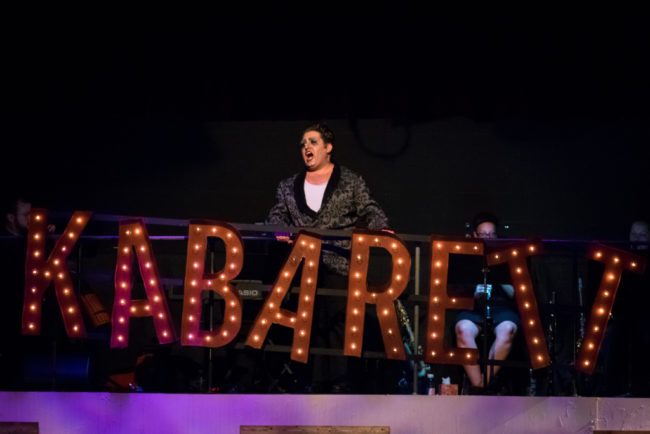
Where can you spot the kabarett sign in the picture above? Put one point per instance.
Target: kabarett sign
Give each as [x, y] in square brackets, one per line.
[42, 269]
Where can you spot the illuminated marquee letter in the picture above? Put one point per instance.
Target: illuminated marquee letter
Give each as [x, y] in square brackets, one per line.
[197, 280]
[440, 302]
[616, 261]
[525, 298]
[307, 247]
[383, 297]
[40, 272]
[133, 235]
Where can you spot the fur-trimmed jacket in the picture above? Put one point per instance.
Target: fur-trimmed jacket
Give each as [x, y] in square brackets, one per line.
[347, 204]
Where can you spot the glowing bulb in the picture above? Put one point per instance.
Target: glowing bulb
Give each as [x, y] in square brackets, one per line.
[357, 275]
[385, 311]
[147, 265]
[225, 332]
[299, 350]
[71, 310]
[400, 261]
[355, 311]
[599, 254]
[302, 333]
[120, 338]
[435, 299]
[398, 277]
[38, 217]
[152, 281]
[591, 346]
[132, 308]
[526, 305]
[601, 311]
[531, 322]
[468, 355]
[535, 340]
[32, 307]
[256, 338]
[434, 335]
[435, 317]
[164, 333]
[438, 264]
[586, 362]
[606, 293]
[360, 238]
[616, 260]
[31, 326]
[190, 318]
[596, 328]
[121, 320]
[125, 250]
[229, 235]
[161, 315]
[611, 276]
[128, 232]
[263, 321]
[457, 246]
[496, 256]
[234, 249]
[156, 299]
[142, 248]
[306, 298]
[531, 248]
[453, 300]
[394, 349]
[540, 358]
[196, 265]
[353, 346]
[354, 329]
[193, 300]
[37, 254]
[122, 302]
[515, 253]
[633, 264]
[37, 236]
[439, 245]
[433, 353]
[436, 281]
[518, 270]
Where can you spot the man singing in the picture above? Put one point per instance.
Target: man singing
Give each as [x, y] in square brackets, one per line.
[325, 196]
[328, 196]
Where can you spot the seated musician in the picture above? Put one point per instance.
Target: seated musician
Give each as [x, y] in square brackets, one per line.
[503, 312]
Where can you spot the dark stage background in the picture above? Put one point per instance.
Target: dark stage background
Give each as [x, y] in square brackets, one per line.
[541, 118]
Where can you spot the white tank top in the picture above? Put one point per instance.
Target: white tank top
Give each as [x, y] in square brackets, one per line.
[314, 195]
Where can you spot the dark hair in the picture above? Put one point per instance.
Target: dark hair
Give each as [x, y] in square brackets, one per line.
[325, 132]
[484, 217]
